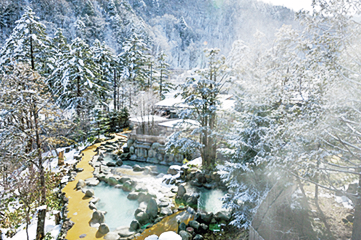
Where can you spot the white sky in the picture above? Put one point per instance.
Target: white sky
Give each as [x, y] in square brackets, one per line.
[293, 4]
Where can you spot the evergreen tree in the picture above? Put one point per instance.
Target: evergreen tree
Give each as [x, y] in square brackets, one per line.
[135, 61]
[164, 86]
[106, 61]
[200, 94]
[28, 43]
[80, 81]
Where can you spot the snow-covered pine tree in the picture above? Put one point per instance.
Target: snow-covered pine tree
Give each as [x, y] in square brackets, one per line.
[135, 60]
[80, 86]
[28, 43]
[200, 94]
[107, 63]
[164, 86]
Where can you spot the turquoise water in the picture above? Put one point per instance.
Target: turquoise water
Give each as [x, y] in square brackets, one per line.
[210, 200]
[120, 210]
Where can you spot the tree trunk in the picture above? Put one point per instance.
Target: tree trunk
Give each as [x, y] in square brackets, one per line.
[115, 90]
[356, 229]
[31, 50]
[160, 84]
[40, 233]
[78, 96]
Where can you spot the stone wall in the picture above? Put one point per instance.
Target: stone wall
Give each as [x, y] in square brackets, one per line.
[152, 152]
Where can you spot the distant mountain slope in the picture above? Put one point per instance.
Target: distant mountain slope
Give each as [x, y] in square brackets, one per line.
[180, 27]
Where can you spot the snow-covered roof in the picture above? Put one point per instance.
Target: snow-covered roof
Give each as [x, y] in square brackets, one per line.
[226, 100]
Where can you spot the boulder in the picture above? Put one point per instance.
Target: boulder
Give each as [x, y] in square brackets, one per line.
[142, 217]
[134, 226]
[203, 228]
[119, 163]
[111, 164]
[194, 224]
[112, 181]
[124, 232]
[137, 168]
[174, 170]
[223, 216]
[169, 236]
[92, 206]
[166, 211]
[92, 181]
[97, 218]
[206, 217]
[89, 193]
[152, 208]
[133, 196]
[125, 149]
[182, 226]
[185, 235]
[103, 228]
[198, 237]
[152, 237]
[80, 184]
[124, 179]
[181, 191]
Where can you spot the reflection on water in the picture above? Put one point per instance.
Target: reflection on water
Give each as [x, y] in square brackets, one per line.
[210, 200]
[120, 210]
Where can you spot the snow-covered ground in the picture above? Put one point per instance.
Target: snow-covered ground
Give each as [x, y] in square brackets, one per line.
[52, 165]
[49, 227]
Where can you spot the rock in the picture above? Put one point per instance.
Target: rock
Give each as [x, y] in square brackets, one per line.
[124, 232]
[112, 236]
[206, 217]
[134, 226]
[79, 169]
[182, 226]
[80, 184]
[92, 206]
[174, 170]
[194, 224]
[112, 181]
[124, 179]
[223, 216]
[166, 211]
[198, 237]
[119, 163]
[152, 237]
[89, 193]
[203, 228]
[92, 181]
[128, 186]
[137, 168]
[152, 208]
[142, 217]
[181, 191]
[169, 236]
[133, 196]
[97, 217]
[185, 235]
[163, 204]
[103, 228]
[125, 149]
[111, 164]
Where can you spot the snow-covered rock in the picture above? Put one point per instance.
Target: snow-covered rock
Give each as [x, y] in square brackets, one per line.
[169, 236]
